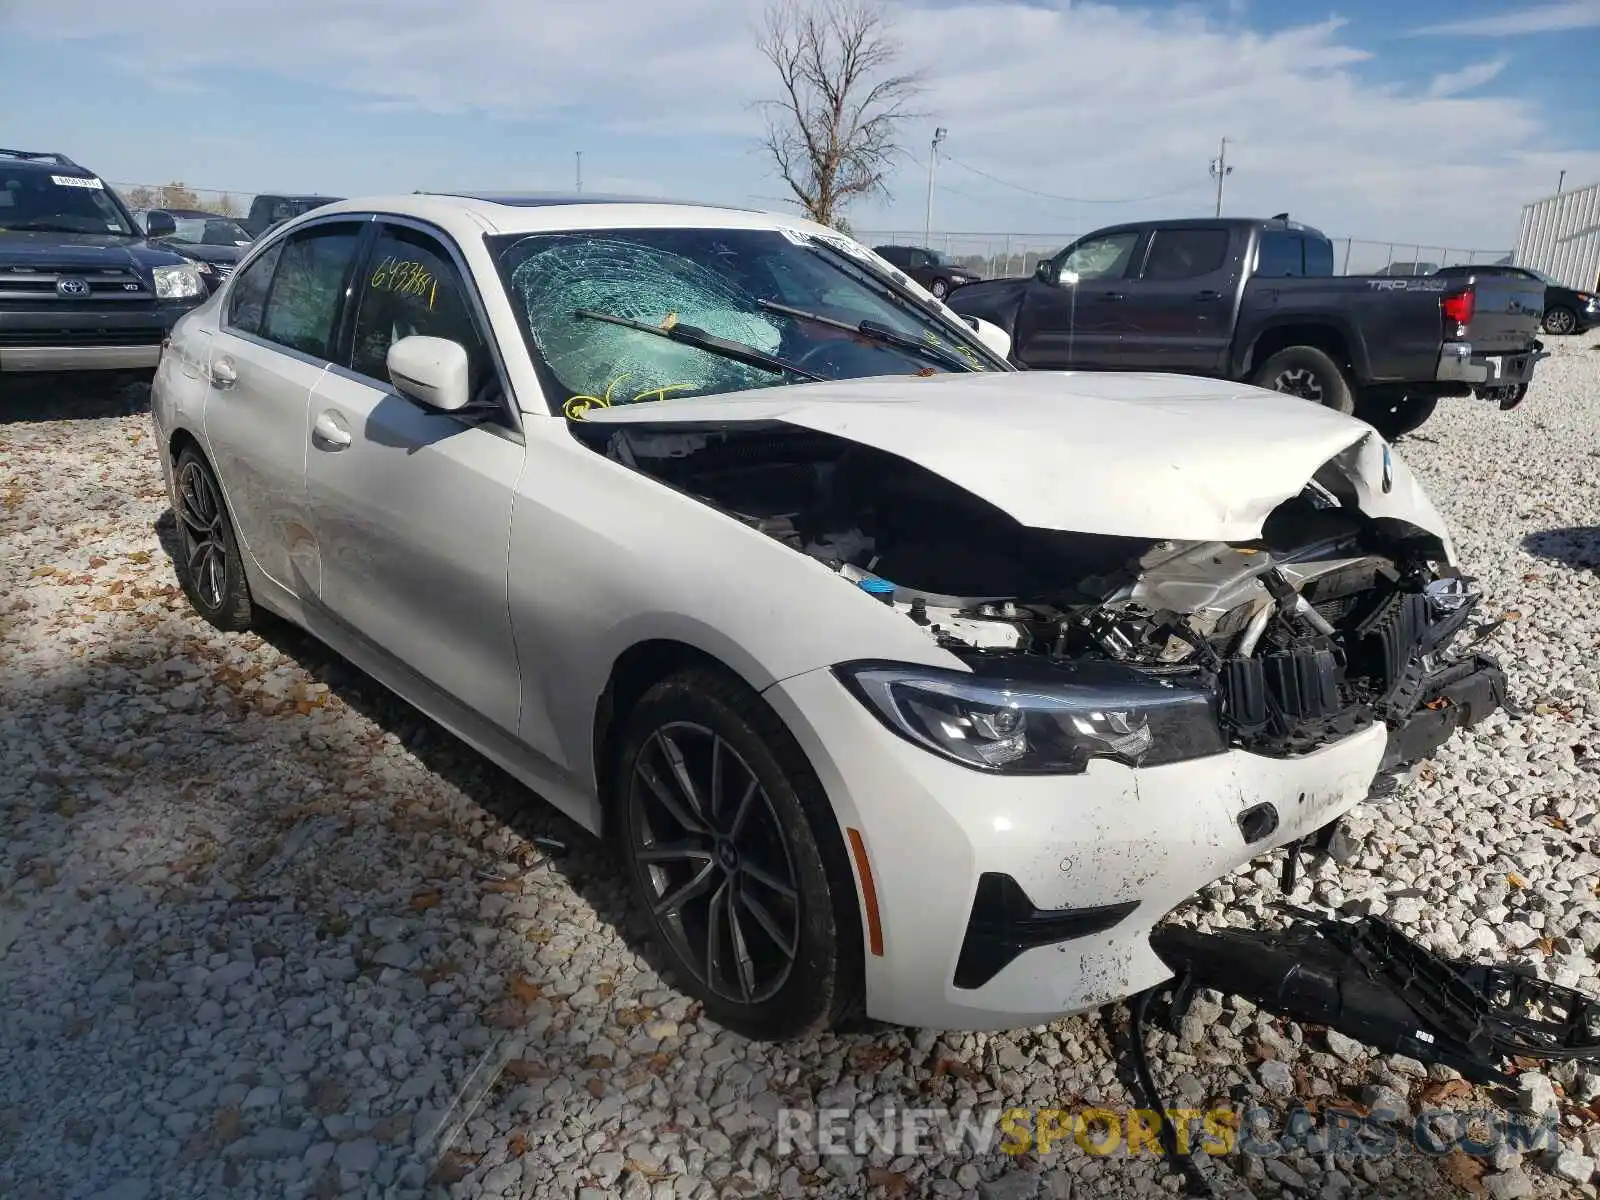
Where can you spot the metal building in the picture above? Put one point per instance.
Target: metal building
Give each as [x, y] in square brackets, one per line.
[1560, 236]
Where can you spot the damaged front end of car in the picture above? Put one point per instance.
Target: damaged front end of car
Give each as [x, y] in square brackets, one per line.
[1287, 621]
[1328, 622]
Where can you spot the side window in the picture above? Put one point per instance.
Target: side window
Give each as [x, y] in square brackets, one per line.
[248, 298]
[302, 310]
[919, 258]
[1280, 254]
[411, 287]
[1186, 253]
[1102, 257]
[1319, 256]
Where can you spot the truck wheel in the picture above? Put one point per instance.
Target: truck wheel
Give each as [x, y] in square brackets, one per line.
[1399, 415]
[1309, 373]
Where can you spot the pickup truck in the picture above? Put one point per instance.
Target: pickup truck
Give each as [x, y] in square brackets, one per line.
[1258, 301]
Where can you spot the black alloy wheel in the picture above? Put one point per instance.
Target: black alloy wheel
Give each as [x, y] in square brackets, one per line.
[210, 568]
[736, 861]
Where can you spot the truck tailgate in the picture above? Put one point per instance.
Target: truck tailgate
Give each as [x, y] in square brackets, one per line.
[1506, 313]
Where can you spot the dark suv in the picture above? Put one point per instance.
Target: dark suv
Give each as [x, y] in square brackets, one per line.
[80, 286]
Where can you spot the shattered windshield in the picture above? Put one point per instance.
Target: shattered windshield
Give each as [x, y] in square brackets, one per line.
[625, 316]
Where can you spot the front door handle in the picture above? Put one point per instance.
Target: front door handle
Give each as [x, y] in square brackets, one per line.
[223, 374]
[1208, 294]
[330, 432]
[1112, 296]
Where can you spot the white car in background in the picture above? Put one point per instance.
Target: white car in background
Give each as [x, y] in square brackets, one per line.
[904, 680]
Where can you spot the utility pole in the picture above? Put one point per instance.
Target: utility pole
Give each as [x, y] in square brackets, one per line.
[1561, 183]
[580, 172]
[1221, 169]
[933, 160]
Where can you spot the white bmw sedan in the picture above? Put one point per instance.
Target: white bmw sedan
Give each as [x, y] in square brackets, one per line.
[904, 681]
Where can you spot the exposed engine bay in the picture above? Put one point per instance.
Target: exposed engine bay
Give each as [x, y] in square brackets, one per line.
[1327, 623]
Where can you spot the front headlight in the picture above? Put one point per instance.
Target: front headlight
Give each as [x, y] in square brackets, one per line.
[1033, 727]
[178, 282]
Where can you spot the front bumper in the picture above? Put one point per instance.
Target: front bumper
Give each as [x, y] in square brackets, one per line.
[1006, 902]
[1460, 363]
[86, 339]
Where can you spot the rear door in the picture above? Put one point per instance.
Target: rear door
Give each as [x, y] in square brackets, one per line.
[272, 346]
[1079, 321]
[411, 506]
[1177, 313]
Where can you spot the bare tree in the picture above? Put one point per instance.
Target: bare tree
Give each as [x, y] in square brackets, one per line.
[834, 131]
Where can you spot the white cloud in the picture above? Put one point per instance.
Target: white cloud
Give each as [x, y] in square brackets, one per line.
[1090, 100]
[1543, 18]
[1473, 75]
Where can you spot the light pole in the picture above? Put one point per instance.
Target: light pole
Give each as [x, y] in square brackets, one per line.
[933, 160]
[1561, 183]
[579, 160]
[1221, 170]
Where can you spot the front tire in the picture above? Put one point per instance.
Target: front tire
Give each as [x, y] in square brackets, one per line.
[210, 568]
[735, 860]
[1560, 320]
[940, 289]
[1309, 373]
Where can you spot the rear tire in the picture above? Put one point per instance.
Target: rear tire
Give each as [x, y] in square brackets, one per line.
[210, 568]
[1309, 373]
[1396, 416]
[1560, 320]
[770, 893]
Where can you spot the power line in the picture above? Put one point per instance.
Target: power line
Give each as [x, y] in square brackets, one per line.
[1067, 199]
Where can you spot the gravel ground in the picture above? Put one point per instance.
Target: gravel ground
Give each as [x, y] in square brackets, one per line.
[266, 931]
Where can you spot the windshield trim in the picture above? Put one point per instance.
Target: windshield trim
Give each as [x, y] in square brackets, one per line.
[554, 391]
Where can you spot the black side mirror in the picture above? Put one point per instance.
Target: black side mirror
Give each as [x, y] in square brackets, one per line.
[159, 225]
[1047, 273]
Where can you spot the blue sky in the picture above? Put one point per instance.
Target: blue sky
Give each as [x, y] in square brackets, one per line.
[1428, 120]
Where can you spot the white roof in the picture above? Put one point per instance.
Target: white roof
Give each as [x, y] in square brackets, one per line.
[533, 213]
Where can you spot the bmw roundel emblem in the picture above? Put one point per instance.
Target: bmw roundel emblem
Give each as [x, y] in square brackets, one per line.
[72, 287]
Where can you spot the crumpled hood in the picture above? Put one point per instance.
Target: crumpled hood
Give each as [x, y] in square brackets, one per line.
[1133, 455]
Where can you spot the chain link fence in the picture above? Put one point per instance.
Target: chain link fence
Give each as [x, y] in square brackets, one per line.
[995, 255]
[991, 255]
[140, 196]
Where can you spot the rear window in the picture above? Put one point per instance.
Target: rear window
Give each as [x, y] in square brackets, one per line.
[1283, 253]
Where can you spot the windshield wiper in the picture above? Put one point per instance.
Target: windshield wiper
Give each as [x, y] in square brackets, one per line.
[689, 335]
[875, 331]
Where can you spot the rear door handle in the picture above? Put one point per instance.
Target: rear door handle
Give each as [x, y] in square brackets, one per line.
[223, 374]
[330, 432]
[1208, 294]
[1112, 296]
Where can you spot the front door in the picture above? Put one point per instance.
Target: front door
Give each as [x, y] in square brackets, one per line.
[411, 507]
[1074, 319]
[1179, 306]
